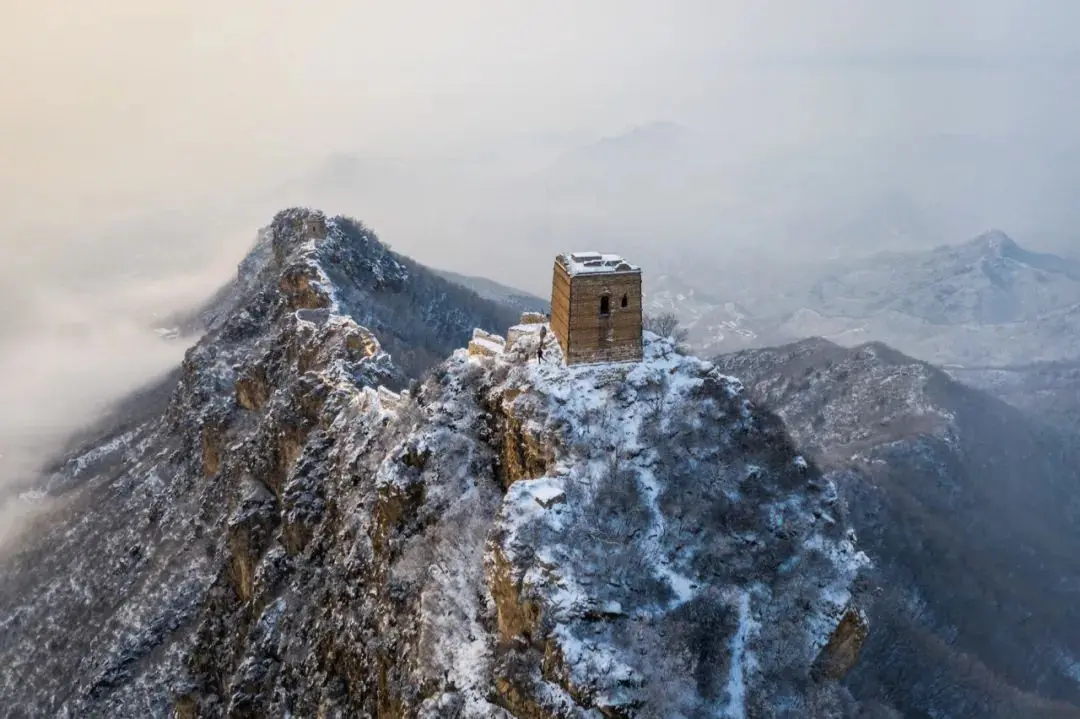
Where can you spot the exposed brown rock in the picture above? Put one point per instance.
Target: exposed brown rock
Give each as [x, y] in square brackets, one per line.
[842, 652]
[298, 286]
[252, 390]
[518, 617]
[211, 450]
[524, 455]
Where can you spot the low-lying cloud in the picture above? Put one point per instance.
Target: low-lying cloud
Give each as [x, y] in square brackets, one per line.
[75, 344]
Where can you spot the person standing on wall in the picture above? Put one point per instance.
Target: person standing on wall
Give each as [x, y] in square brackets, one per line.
[540, 345]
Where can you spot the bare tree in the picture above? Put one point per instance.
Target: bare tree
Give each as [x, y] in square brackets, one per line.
[665, 324]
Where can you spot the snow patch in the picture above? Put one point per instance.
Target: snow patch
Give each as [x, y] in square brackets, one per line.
[580, 263]
[742, 660]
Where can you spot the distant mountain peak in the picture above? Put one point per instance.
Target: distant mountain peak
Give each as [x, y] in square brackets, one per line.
[995, 242]
[650, 137]
[996, 245]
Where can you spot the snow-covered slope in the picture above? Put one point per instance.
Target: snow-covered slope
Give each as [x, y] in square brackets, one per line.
[969, 510]
[415, 312]
[660, 539]
[290, 538]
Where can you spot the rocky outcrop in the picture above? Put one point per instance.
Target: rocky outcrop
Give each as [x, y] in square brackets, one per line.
[504, 539]
[840, 654]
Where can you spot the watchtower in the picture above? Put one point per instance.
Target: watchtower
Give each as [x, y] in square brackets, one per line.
[596, 308]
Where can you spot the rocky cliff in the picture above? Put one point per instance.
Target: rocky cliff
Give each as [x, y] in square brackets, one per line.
[293, 536]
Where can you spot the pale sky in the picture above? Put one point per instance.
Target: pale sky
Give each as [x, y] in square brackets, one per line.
[117, 102]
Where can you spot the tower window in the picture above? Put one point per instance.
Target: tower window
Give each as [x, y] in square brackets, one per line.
[625, 301]
[605, 305]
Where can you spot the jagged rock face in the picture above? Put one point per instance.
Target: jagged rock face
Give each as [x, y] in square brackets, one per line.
[418, 315]
[99, 609]
[506, 539]
[968, 509]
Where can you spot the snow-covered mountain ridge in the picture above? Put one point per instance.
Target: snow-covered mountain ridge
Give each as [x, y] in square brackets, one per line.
[289, 537]
[968, 509]
[672, 500]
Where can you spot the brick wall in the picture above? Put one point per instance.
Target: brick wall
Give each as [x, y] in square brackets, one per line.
[586, 335]
[560, 306]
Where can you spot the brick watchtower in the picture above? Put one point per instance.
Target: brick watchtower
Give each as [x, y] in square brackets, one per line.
[596, 308]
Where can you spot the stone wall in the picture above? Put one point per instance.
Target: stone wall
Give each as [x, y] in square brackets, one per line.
[585, 334]
[485, 344]
[560, 306]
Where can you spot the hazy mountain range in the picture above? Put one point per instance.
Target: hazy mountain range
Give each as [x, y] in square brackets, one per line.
[683, 201]
[984, 302]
